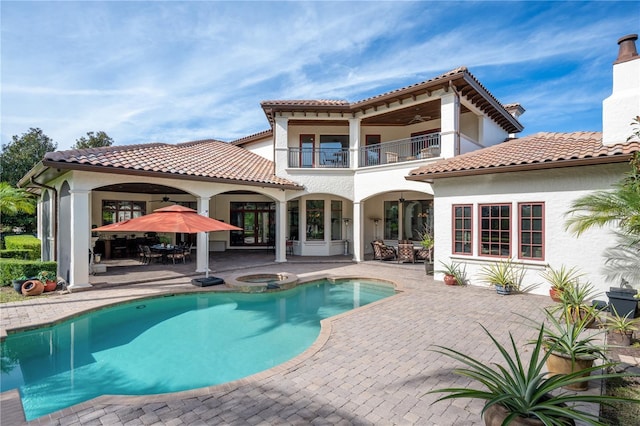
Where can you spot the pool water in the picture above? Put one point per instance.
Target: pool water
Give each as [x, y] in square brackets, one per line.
[170, 344]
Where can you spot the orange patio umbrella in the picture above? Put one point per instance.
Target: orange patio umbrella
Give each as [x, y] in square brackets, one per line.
[174, 218]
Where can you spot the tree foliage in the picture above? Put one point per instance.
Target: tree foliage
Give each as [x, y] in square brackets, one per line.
[93, 140]
[24, 152]
[15, 200]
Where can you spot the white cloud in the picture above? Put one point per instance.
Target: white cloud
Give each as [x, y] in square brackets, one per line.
[177, 71]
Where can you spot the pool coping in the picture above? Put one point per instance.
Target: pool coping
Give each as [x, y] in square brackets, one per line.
[11, 402]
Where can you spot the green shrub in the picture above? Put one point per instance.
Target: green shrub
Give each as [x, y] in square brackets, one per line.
[15, 254]
[11, 269]
[24, 242]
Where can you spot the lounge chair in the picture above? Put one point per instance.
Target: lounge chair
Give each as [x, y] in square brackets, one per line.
[381, 251]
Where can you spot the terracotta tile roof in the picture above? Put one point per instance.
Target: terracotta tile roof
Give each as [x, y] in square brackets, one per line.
[254, 137]
[460, 78]
[199, 160]
[538, 151]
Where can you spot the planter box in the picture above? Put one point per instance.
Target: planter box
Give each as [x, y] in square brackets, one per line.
[623, 301]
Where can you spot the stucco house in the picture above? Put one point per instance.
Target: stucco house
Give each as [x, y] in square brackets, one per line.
[328, 177]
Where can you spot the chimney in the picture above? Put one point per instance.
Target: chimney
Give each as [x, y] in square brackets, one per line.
[624, 103]
[516, 110]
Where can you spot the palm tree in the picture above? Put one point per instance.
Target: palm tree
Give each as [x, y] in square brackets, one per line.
[15, 200]
[620, 207]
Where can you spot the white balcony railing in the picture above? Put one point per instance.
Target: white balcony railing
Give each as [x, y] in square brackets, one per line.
[397, 151]
[401, 150]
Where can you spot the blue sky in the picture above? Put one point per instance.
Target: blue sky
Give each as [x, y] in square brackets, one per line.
[171, 71]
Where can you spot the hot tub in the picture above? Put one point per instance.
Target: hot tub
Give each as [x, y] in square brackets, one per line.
[257, 283]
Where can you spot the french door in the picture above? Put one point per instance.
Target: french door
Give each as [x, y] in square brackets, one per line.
[257, 221]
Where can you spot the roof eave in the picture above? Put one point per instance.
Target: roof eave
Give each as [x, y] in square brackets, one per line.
[573, 162]
[152, 173]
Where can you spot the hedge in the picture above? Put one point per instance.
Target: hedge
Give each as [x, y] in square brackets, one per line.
[15, 254]
[12, 269]
[24, 242]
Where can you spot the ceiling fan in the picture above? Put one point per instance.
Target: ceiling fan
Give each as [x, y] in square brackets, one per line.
[165, 199]
[418, 119]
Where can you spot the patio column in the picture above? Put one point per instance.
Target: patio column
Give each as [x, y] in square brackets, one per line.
[450, 127]
[281, 145]
[202, 251]
[281, 231]
[79, 239]
[354, 142]
[357, 232]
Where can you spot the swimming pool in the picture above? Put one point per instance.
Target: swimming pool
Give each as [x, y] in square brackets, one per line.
[170, 344]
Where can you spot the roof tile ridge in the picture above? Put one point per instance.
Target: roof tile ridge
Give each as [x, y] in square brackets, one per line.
[259, 134]
[197, 142]
[102, 150]
[458, 70]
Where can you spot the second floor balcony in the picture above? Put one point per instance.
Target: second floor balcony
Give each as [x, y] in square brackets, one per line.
[391, 152]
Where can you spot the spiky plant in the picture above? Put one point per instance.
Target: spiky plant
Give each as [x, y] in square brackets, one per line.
[528, 391]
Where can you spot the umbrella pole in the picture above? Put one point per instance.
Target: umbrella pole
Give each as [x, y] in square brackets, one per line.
[206, 269]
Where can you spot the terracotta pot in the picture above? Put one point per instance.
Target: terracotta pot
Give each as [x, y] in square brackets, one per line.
[50, 285]
[562, 364]
[450, 280]
[555, 294]
[495, 415]
[32, 288]
[618, 338]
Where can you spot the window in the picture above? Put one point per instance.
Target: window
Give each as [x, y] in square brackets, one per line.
[462, 228]
[495, 230]
[390, 220]
[531, 231]
[306, 150]
[315, 220]
[336, 220]
[334, 150]
[293, 207]
[117, 211]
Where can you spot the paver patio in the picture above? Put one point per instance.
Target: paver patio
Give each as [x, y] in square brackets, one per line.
[370, 366]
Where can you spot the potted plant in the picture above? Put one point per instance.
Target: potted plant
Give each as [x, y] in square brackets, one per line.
[620, 328]
[576, 305]
[48, 279]
[519, 395]
[505, 275]
[18, 282]
[164, 240]
[559, 279]
[571, 347]
[453, 273]
[426, 242]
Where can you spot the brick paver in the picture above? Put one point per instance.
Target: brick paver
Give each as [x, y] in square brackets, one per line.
[370, 366]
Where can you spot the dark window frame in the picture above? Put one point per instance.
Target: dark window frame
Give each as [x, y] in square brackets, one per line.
[531, 231]
[462, 230]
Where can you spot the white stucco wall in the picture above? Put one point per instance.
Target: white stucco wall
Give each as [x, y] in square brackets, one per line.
[491, 133]
[263, 148]
[557, 189]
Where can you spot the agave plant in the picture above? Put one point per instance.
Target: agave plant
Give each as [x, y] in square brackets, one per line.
[504, 273]
[528, 392]
[575, 301]
[562, 277]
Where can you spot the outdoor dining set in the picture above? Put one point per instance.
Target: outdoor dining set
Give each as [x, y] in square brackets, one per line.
[404, 251]
[164, 253]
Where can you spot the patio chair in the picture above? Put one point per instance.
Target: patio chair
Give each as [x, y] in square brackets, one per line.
[177, 253]
[186, 251]
[381, 251]
[141, 256]
[424, 254]
[406, 252]
[150, 255]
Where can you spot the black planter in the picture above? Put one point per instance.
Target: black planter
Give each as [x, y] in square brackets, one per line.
[623, 301]
[17, 285]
